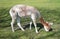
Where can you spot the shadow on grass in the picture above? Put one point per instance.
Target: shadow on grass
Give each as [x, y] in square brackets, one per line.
[38, 25]
[32, 26]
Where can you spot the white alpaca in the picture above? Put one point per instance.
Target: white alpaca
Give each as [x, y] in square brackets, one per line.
[18, 11]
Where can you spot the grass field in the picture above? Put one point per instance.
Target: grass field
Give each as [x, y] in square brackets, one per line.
[50, 10]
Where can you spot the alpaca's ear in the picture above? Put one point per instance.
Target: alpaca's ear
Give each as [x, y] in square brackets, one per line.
[50, 23]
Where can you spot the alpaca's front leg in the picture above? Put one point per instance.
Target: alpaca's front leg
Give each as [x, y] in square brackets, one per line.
[34, 21]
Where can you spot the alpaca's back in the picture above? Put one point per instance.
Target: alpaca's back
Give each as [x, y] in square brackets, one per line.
[23, 10]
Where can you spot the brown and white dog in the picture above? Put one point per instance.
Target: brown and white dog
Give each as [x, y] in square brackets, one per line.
[18, 11]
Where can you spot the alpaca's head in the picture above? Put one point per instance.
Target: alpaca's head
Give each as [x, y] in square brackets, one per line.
[47, 26]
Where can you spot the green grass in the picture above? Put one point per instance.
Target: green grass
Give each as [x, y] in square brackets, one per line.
[36, 3]
[50, 10]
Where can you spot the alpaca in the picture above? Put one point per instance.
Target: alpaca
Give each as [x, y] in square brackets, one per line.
[18, 11]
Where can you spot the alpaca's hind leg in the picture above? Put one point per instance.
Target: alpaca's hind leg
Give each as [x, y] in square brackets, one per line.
[30, 25]
[12, 23]
[18, 23]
